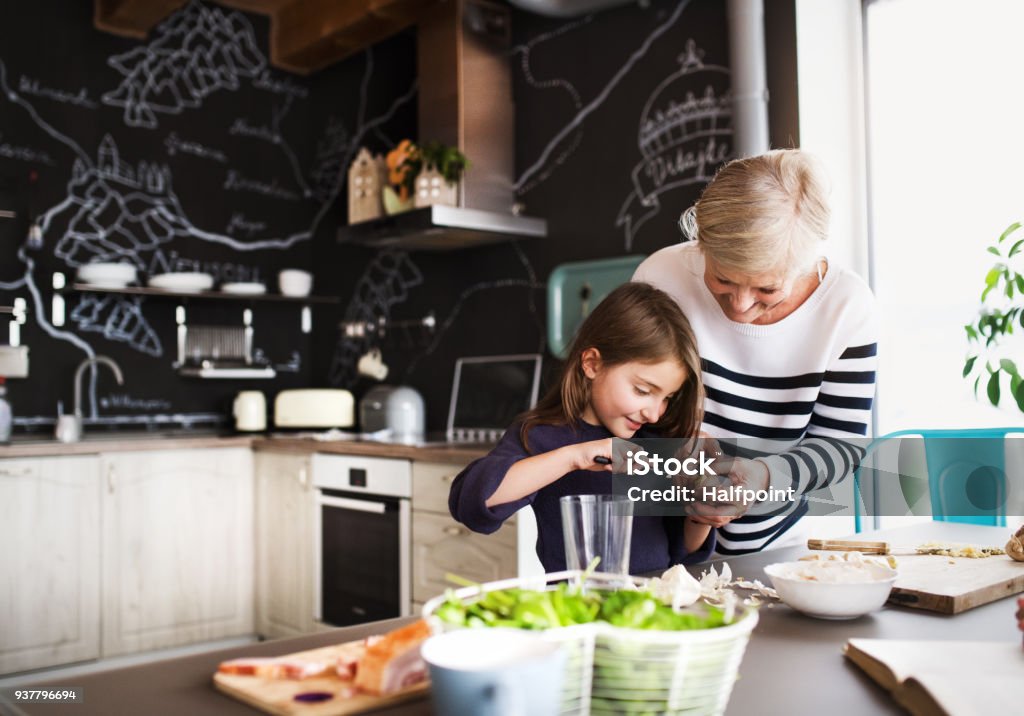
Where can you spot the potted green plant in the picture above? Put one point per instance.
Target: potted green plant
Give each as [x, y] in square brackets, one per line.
[439, 169]
[1002, 307]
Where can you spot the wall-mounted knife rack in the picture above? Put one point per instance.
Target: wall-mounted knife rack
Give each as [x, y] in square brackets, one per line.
[379, 329]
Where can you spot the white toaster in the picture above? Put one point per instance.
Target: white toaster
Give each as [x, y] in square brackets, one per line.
[314, 408]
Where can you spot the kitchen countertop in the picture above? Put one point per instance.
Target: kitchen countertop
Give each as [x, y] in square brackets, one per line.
[99, 441]
[793, 664]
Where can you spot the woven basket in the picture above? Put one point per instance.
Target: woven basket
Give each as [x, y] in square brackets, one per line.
[611, 669]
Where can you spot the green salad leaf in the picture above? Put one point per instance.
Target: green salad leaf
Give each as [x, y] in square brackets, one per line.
[566, 605]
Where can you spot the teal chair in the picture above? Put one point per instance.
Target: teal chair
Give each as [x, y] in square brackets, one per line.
[964, 472]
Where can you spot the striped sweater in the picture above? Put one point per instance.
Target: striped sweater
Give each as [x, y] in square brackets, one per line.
[803, 385]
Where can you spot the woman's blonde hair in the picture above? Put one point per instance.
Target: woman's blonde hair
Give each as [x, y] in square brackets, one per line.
[763, 213]
[635, 322]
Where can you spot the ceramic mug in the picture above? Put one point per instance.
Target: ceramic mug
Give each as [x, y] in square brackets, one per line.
[371, 364]
[294, 282]
[495, 672]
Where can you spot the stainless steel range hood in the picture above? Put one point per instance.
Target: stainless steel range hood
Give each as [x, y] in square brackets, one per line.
[465, 100]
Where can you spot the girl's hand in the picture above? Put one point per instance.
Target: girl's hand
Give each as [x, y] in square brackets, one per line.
[584, 456]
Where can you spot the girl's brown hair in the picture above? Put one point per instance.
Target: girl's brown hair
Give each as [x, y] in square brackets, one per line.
[634, 323]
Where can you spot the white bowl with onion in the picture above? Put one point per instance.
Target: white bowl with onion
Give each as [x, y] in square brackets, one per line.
[837, 588]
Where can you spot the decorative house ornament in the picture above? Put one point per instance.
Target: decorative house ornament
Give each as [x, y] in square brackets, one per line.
[431, 188]
[365, 179]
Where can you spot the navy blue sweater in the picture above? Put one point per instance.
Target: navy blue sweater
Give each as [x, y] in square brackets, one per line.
[657, 542]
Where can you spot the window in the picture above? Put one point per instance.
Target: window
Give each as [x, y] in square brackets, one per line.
[946, 172]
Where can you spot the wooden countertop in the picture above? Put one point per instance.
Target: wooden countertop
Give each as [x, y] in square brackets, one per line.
[24, 446]
[433, 452]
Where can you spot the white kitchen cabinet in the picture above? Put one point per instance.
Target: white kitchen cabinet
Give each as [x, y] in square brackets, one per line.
[284, 545]
[177, 547]
[49, 561]
[441, 546]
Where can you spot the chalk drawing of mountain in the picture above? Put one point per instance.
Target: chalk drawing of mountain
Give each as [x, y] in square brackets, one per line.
[115, 212]
[118, 213]
[118, 318]
[196, 52]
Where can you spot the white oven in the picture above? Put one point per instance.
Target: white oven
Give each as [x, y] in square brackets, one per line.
[362, 539]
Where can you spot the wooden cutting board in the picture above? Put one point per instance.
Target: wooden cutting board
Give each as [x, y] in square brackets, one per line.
[951, 585]
[277, 696]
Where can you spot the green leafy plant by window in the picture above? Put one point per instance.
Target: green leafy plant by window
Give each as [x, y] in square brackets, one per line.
[1002, 308]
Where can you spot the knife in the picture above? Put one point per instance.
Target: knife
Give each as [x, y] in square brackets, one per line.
[864, 547]
[868, 547]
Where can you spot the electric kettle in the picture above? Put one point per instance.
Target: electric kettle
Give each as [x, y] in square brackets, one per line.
[250, 411]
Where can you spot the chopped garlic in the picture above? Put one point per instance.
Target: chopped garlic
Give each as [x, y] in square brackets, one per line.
[845, 568]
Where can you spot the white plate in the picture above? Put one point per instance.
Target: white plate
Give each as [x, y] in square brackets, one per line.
[247, 288]
[185, 281]
[106, 274]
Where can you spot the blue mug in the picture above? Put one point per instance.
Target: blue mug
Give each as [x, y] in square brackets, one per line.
[495, 672]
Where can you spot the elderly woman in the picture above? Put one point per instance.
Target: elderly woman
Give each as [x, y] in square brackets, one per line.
[787, 339]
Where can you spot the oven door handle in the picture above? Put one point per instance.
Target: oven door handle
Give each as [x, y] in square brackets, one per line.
[349, 504]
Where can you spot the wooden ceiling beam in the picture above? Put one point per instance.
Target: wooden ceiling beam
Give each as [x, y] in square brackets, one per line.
[308, 35]
[305, 35]
[132, 18]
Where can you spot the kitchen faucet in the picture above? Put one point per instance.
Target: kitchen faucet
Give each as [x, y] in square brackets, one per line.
[69, 427]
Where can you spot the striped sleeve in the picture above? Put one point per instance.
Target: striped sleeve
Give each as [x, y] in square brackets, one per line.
[839, 421]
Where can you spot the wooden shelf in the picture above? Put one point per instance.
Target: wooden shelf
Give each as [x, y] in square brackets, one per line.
[216, 295]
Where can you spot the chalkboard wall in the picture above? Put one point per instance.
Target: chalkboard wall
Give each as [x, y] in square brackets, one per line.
[186, 151]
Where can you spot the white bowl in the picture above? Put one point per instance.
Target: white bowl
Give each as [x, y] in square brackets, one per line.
[182, 281]
[832, 600]
[107, 274]
[295, 282]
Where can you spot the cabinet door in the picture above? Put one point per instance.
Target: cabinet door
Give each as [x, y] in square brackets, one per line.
[431, 483]
[177, 547]
[49, 561]
[442, 546]
[284, 545]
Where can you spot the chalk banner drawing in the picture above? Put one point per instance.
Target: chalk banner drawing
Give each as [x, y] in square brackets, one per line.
[684, 134]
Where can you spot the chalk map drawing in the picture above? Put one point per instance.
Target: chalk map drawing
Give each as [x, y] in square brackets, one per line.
[114, 211]
[530, 283]
[384, 283]
[196, 52]
[683, 134]
[576, 121]
[522, 186]
[683, 137]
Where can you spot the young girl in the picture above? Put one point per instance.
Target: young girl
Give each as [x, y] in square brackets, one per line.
[632, 372]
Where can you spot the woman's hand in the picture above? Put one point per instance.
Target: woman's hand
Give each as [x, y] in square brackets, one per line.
[715, 521]
[750, 474]
[747, 474]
